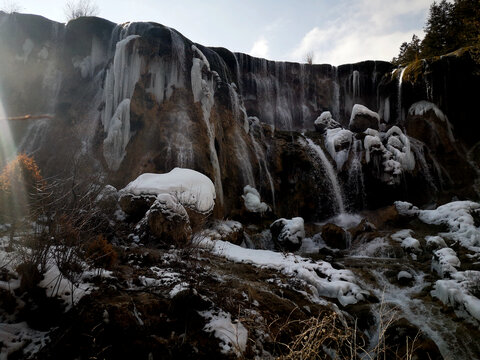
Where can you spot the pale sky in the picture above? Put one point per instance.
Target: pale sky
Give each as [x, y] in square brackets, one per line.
[336, 31]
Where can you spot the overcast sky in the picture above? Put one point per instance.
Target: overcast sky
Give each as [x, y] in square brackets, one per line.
[336, 31]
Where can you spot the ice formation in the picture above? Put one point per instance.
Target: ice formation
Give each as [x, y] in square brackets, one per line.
[203, 88]
[251, 199]
[120, 82]
[456, 215]
[338, 143]
[395, 148]
[445, 262]
[190, 187]
[422, 107]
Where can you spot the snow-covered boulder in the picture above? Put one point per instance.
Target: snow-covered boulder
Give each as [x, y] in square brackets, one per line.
[288, 234]
[325, 122]
[363, 118]
[445, 262]
[192, 189]
[168, 220]
[338, 143]
[252, 202]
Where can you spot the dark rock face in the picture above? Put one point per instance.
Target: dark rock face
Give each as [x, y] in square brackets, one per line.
[286, 235]
[130, 99]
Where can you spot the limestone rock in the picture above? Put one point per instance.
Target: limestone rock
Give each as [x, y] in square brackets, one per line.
[168, 220]
[363, 118]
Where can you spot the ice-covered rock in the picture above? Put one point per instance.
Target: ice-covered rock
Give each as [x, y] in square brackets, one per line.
[192, 189]
[363, 118]
[338, 143]
[445, 262]
[325, 122]
[288, 234]
[252, 202]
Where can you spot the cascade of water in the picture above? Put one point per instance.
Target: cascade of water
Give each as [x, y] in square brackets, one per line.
[203, 88]
[400, 79]
[355, 173]
[356, 84]
[331, 175]
[261, 157]
[417, 148]
[120, 82]
[336, 94]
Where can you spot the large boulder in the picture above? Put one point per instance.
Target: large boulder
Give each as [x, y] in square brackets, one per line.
[288, 234]
[168, 220]
[194, 191]
[335, 236]
[363, 118]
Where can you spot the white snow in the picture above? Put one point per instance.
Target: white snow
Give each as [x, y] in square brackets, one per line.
[456, 215]
[435, 242]
[411, 244]
[251, 199]
[445, 262]
[339, 139]
[456, 293]
[233, 335]
[293, 230]
[401, 235]
[333, 283]
[191, 188]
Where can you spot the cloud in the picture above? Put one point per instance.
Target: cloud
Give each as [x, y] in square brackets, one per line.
[260, 48]
[367, 29]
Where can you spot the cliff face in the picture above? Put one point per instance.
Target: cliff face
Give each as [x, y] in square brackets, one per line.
[140, 97]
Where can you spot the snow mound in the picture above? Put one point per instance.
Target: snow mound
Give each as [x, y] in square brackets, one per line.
[323, 279]
[191, 188]
[411, 244]
[251, 199]
[435, 242]
[325, 121]
[456, 292]
[445, 262]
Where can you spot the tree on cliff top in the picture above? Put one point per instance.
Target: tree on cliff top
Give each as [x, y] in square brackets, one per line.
[77, 8]
[449, 26]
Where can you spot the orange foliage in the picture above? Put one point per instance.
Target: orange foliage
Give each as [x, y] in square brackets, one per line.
[21, 172]
[101, 253]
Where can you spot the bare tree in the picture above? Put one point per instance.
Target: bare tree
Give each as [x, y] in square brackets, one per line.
[10, 6]
[77, 8]
[309, 56]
